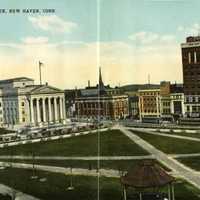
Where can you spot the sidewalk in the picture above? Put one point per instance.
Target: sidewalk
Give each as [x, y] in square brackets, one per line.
[166, 135]
[181, 170]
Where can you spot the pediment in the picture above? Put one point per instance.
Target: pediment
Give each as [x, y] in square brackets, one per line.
[45, 89]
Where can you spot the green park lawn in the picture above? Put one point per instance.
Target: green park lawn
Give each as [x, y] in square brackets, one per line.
[112, 143]
[5, 197]
[55, 186]
[192, 162]
[170, 145]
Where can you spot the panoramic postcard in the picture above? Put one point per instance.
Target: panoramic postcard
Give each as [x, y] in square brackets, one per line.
[100, 100]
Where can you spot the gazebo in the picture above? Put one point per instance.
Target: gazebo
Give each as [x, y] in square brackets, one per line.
[147, 175]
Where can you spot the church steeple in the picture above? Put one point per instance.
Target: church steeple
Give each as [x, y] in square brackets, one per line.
[102, 90]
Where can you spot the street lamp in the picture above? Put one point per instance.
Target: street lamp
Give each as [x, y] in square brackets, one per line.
[71, 187]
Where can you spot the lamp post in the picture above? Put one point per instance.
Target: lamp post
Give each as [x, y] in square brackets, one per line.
[71, 181]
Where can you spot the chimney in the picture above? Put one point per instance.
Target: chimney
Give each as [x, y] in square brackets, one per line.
[89, 83]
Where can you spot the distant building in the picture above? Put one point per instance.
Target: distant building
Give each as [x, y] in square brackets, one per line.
[133, 97]
[191, 75]
[165, 103]
[101, 101]
[177, 100]
[149, 104]
[24, 103]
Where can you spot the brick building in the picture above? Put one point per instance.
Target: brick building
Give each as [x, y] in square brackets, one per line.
[191, 75]
[164, 103]
[149, 104]
[101, 101]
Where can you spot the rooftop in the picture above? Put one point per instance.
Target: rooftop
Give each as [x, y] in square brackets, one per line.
[16, 79]
[147, 174]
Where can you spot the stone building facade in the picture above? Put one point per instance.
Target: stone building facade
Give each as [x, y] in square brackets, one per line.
[24, 103]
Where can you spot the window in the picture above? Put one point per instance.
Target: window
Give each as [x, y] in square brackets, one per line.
[22, 104]
[23, 119]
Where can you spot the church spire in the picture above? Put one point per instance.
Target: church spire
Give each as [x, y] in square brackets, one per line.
[102, 90]
[100, 78]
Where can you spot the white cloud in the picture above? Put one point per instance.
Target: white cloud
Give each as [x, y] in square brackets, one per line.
[144, 37]
[147, 38]
[52, 23]
[180, 28]
[69, 64]
[167, 38]
[35, 40]
[129, 63]
[193, 29]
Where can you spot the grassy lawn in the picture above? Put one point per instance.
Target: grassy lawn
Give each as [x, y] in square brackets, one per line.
[112, 143]
[192, 162]
[170, 145]
[85, 187]
[5, 197]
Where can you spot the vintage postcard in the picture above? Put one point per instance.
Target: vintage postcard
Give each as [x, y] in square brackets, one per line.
[100, 100]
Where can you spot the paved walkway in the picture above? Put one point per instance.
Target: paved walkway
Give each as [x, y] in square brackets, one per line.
[78, 157]
[184, 155]
[181, 170]
[19, 195]
[166, 135]
[65, 170]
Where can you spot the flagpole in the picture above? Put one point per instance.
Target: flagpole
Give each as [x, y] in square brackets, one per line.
[40, 72]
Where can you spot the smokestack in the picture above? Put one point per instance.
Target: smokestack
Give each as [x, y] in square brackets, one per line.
[89, 83]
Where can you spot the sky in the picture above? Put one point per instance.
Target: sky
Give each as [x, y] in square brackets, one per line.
[129, 39]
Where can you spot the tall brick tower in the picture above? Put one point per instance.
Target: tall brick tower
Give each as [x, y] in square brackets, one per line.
[191, 75]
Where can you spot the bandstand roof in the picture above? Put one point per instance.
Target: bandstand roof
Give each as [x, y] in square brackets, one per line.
[147, 174]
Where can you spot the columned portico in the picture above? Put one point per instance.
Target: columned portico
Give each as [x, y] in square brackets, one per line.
[47, 109]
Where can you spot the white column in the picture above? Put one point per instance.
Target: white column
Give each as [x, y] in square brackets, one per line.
[32, 111]
[55, 109]
[44, 110]
[64, 109]
[61, 108]
[195, 57]
[38, 111]
[189, 57]
[50, 112]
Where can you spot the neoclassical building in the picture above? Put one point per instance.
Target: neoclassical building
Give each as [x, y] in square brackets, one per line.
[24, 103]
